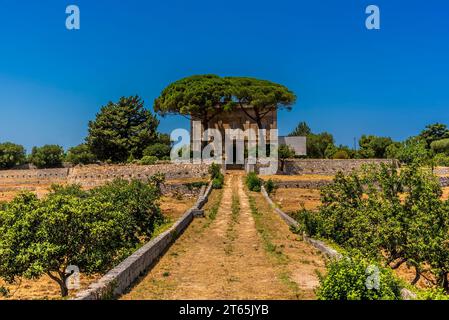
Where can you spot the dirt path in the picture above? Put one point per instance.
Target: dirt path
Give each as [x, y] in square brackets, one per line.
[234, 253]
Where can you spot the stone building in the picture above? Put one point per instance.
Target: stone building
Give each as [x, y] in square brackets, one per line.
[239, 119]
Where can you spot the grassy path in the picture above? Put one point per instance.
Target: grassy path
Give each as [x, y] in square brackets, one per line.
[241, 250]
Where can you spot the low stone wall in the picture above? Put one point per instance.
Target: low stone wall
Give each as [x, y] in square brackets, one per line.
[328, 166]
[95, 175]
[313, 184]
[90, 176]
[174, 189]
[444, 181]
[33, 176]
[119, 279]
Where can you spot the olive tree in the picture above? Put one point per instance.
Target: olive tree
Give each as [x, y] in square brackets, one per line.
[11, 154]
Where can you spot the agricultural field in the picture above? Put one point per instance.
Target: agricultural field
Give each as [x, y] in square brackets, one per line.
[45, 288]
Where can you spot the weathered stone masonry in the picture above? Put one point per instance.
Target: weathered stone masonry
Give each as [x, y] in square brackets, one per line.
[328, 166]
[91, 176]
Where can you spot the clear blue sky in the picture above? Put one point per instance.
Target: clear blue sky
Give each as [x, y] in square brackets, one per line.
[349, 80]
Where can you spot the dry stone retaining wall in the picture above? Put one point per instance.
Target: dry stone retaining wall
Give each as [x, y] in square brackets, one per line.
[94, 175]
[328, 166]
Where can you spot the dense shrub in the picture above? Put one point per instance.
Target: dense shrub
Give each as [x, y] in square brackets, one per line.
[253, 182]
[441, 160]
[440, 146]
[354, 278]
[216, 176]
[11, 155]
[158, 150]
[80, 154]
[269, 186]
[341, 154]
[214, 170]
[148, 160]
[48, 156]
[432, 294]
[413, 150]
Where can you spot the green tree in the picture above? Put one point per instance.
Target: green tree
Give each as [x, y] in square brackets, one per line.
[11, 155]
[48, 156]
[434, 132]
[374, 147]
[285, 152]
[159, 150]
[80, 154]
[301, 130]
[138, 201]
[262, 95]
[200, 97]
[122, 130]
[203, 97]
[440, 146]
[396, 216]
[90, 229]
[412, 150]
[317, 144]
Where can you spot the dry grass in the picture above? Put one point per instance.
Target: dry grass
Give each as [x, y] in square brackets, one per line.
[292, 200]
[174, 208]
[41, 289]
[213, 263]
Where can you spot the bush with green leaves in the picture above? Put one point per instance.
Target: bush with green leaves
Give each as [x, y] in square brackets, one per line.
[138, 201]
[93, 230]
[441, 160]
[396, 216]
[216, 176]
[159, 150]
[413, 150]
[80, 154]
[148, 160]
[11, 155]
[253, 182]
[373, 146]
[285, 152]
[440, 146]
[270, 186]
[48, 156]
[341, 154]
[432, 294]
[355, 278]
